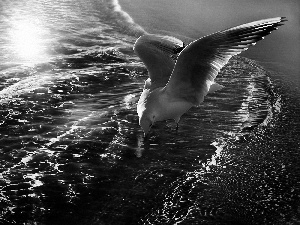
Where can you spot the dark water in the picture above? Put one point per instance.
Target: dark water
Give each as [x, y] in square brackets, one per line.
[71, 148]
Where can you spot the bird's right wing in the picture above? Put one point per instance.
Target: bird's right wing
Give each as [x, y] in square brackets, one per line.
[159, 54]
[200, 62]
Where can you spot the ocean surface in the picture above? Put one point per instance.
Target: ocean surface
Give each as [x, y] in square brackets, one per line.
[71, 149]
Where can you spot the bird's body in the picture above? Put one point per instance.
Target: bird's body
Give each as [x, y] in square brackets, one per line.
[162, 105]
[178, 82]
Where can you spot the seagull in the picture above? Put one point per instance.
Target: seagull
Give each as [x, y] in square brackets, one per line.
[181, 76]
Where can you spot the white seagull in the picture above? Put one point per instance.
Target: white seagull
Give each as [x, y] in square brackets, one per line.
[178, 82]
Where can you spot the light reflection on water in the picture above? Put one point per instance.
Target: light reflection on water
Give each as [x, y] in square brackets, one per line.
[27, 40]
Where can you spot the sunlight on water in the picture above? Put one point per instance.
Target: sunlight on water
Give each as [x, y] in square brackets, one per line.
[27, 41]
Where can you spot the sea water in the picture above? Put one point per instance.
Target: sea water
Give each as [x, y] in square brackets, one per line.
[72, 151]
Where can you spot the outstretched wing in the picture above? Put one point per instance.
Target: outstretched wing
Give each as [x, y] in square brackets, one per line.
[159, 54]
[200, 62]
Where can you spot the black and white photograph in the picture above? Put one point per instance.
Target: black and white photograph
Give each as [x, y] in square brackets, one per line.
[149, 112]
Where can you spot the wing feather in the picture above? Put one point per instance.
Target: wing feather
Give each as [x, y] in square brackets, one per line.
[200, 62]
[158, 54]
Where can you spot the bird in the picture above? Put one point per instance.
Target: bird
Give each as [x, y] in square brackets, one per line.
[181, 76]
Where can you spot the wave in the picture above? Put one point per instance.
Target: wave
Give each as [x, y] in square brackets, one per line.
[23, 86]
[124, 20]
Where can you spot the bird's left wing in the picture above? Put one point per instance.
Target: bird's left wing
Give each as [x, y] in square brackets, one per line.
[158, 54]
[200, 62]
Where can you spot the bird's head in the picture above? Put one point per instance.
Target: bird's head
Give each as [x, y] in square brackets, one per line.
[146, 121]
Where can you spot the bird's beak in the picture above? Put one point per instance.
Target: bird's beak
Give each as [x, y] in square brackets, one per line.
[146, 132]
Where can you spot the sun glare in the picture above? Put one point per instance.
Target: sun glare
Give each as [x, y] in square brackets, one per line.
[27, 41]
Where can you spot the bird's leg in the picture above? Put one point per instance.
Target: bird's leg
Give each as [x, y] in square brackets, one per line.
[177, 126]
